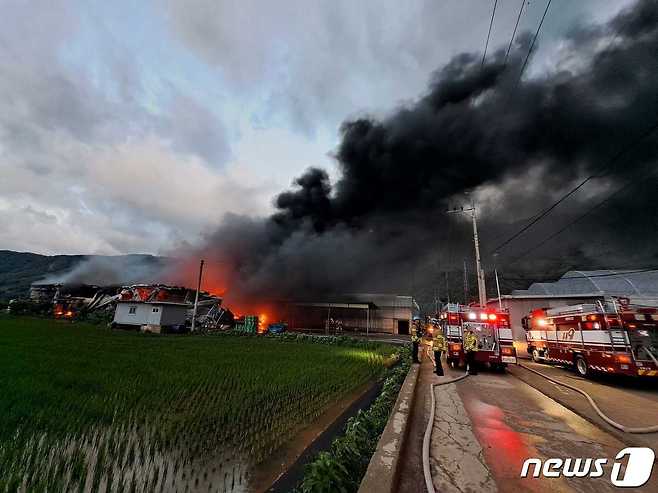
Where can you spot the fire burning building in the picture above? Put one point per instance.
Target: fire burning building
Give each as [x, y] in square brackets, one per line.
[69, 300]
[158, 308]
[153, 305]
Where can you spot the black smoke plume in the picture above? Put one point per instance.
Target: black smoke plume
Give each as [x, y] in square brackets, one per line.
[514, 143]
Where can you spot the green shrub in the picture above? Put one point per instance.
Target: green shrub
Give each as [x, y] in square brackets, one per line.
[344, 465]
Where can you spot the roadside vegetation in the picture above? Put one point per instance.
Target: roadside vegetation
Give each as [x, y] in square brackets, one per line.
[342, 467]
[88, 409]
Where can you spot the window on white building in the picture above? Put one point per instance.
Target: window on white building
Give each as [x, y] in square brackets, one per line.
[132, 310]
[156, 310]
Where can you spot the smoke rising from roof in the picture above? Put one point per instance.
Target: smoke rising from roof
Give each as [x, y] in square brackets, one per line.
[477, 129]
[116, 270]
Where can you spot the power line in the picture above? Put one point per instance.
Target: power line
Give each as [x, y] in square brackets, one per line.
[579, 218]
[532, 44]
[493, 13]
[516, 26]
[548, 210]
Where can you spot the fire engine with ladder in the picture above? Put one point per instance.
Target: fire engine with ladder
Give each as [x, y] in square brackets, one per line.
[610, 336]
[492, 329]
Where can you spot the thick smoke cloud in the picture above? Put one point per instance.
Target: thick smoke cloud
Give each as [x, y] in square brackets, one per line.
[117, 270]
[477, 129]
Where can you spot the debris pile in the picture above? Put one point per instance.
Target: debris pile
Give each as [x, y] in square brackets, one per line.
[72, 301]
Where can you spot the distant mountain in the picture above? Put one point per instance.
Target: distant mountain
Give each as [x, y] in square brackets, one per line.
[18, 270]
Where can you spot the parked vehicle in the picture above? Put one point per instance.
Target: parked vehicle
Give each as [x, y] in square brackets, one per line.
[277, 328]
[492, 329]
[611, 337]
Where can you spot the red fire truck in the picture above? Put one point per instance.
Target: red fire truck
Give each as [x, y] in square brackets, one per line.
[610, 336]
[492, 329]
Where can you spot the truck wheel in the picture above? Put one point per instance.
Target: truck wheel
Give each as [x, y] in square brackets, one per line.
[535, 356]
[582, 368]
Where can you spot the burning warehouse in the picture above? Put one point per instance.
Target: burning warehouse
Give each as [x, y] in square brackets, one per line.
[152, 305]
[160, 308]
[69, 300]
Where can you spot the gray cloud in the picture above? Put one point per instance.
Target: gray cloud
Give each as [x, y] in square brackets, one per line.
[515, 144]
[86, 166]
[320, 62]
[89, 165]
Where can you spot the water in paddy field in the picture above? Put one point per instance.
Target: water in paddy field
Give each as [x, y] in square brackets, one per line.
[122, 460]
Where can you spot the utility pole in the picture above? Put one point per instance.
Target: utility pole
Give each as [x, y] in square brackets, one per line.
[465, 283]
[482, 291]
[196, 296]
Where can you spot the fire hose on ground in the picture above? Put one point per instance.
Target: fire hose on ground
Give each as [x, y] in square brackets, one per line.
[428, 431]
[614, 424]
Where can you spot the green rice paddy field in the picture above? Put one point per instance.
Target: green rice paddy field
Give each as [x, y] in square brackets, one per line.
[83, 408]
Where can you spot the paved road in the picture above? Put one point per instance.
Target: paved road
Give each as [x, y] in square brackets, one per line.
[631, 402]
[487, 425]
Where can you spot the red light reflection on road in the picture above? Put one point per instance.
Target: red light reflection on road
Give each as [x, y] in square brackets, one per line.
[504, 449]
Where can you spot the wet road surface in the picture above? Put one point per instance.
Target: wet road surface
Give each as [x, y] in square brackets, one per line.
[631, 402]
[487, 425]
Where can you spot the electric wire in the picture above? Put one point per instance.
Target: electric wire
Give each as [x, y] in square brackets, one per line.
[582, 216]
[541, 214]
[580, 185]
[486, 45]
[534, 39]
[516, 26]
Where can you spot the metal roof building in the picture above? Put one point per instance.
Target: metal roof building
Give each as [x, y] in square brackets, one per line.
[634, 283]
[575, 287]
[368, 312]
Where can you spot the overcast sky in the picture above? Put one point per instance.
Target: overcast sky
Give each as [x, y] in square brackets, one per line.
[134, 126]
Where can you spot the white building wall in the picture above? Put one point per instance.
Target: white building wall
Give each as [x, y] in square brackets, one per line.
[147, 313]
[154, 313]
[386, 319]
[141, 315]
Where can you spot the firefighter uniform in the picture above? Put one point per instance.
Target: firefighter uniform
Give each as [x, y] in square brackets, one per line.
[415, 342]
[470, 348]
[439, 346]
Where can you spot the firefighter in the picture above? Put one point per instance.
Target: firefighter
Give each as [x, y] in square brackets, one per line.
[470, 347]
[439, 346]
[416, 336]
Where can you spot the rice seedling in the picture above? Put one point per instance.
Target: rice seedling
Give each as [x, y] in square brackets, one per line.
[88, 409]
